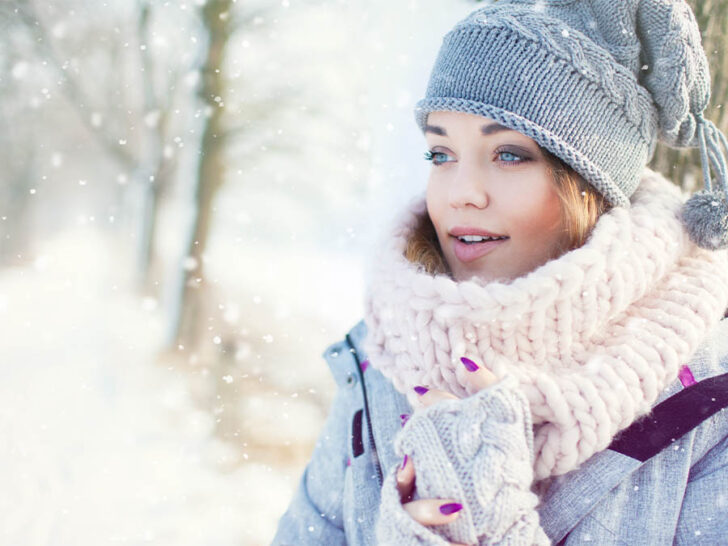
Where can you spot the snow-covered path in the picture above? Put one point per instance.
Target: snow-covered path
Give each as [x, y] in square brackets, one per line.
[100, 444]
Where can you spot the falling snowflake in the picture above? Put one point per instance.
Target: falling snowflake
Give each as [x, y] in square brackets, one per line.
[20, 70]
[190, 263]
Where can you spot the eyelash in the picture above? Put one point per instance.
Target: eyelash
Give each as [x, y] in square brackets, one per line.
[430, 156]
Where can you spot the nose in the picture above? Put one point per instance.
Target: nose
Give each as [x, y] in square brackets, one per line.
[469, 187]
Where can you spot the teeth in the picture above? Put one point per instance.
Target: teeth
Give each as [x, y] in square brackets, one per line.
[478, 238]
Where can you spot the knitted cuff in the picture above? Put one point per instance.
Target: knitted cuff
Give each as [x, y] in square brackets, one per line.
[395, 527]
[478, 451]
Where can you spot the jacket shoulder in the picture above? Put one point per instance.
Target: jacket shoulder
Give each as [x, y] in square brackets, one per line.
[345, 355]
[357, 333]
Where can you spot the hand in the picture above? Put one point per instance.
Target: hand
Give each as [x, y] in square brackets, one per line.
[479, 377]
[424, 511]
[437, 511]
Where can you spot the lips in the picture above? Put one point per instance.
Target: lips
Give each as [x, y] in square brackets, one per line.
[468, 252]
[459, 231]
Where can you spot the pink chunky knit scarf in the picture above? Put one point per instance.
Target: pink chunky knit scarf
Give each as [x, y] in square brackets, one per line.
[592, 337]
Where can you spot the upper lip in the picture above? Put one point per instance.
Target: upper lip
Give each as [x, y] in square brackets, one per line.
[459, 231]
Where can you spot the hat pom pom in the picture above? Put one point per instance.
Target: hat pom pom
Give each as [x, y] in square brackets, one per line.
[705, 216]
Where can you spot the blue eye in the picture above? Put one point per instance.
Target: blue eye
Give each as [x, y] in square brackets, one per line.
[510, 157]
[437, 158]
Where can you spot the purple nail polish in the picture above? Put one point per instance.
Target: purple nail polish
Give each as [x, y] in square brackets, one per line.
[364, 365]
[686, 377]
[404, 462]
[404, 417]
[421, 390]
[348, 461]
[450, 508]
[469, 364]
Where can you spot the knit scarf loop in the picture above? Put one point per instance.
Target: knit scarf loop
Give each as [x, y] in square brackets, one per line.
[592, 337]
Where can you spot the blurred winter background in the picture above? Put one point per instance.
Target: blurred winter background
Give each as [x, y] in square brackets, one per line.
[189, 193]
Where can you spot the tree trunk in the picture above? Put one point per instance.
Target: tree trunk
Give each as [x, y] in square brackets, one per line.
[154, 167]
[210, 173]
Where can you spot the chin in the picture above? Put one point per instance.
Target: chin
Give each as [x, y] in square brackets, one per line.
[478, 276]
[485, 277]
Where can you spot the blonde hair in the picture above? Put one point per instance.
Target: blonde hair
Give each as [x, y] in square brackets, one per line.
[581, 203]
[581, 207]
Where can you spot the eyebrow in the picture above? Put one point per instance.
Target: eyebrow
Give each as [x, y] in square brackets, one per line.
[488, 129]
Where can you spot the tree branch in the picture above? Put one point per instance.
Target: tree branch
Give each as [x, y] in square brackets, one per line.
[73, 90]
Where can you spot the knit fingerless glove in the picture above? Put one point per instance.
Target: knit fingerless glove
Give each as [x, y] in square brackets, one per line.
[478, 451]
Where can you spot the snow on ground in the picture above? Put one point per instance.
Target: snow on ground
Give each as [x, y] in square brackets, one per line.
[101, 443]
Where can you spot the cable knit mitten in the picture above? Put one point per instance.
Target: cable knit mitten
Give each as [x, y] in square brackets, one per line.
[478, 451]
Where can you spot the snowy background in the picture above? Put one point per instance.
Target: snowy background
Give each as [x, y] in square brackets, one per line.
[124, 420]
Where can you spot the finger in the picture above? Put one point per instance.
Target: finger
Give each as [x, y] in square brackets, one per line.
[433, 396]
[433, 511]
[478, 375]
[406, 479]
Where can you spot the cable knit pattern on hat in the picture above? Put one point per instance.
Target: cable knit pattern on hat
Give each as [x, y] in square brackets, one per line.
[592, 337]
[584, 56]
[657, 40]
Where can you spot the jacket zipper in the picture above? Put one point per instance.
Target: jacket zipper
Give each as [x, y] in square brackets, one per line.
[377, 464]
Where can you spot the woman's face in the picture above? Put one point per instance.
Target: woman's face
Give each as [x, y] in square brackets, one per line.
[487, 180]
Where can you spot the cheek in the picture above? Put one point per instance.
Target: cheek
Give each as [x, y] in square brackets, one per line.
[543, 222]
[434, 205]
[541, 213]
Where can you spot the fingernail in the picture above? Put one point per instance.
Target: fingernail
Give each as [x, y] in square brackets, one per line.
[348, 461]
[421, 390]
[450, 508]
[686, 376]
[469, 364]
[404, 418]
[364, 365]
[404, 462]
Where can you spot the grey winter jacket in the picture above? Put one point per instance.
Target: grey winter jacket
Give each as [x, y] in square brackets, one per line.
[678, 496]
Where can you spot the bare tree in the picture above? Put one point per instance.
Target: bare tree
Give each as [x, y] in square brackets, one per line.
[215, 15]
[18, 148]
[149, 167]
[155, 168]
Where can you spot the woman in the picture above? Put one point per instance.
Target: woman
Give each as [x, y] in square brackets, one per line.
[546, 294]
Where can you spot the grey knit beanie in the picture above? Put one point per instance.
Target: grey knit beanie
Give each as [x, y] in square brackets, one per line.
[595, 82]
